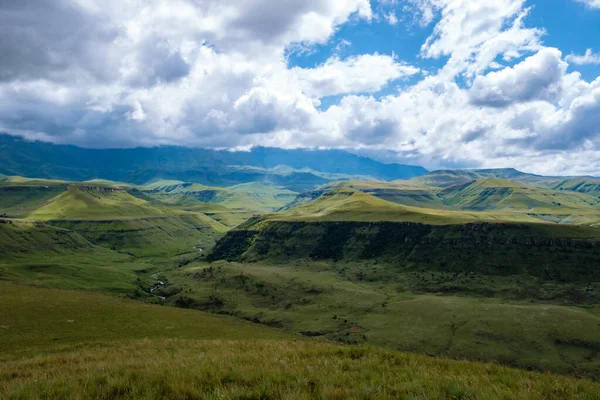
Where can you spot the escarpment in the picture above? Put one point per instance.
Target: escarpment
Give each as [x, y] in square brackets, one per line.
[493, 249]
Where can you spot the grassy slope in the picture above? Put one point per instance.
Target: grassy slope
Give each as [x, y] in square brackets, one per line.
[372, 256]
[590, 186]
[150, 237]
[39, 254]
[354, 302]
[109, 348]
[410, 193]
[113, 218]
[18, 201]
[245, 197]
[347, 204]
[502, 194]
[224, 215]
[80, 203]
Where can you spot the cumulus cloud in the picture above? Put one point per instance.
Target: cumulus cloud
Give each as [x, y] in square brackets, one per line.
[215, 73]
[474, 33]
[588, 58]
[366, 73]
[536, 78]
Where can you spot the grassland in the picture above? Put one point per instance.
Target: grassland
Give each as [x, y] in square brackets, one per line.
[352, 267]
[65, 344]
[42, 255]
[358, 303]
[105, 214]
[346, 204]
[570, 201]
[248, 197]
[95, 203]
[358, 263]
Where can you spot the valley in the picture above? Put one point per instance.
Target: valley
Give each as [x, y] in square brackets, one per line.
[451, 266]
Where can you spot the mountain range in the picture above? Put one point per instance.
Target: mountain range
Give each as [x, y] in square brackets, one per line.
[296, 170]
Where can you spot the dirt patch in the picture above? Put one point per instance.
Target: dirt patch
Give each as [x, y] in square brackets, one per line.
[357, 329]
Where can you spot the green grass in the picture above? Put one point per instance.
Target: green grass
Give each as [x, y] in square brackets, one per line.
[113, 218]
[18, 201]
[249, 197]
[349, 267]
[358, 303]
[224, 215]
[347, 204]
[502, 194]
[409, 193]
[80, 203]
[65, 344]
[160, 237]
[39, 254]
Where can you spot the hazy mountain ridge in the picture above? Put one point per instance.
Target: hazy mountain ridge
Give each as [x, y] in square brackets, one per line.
[206, 166]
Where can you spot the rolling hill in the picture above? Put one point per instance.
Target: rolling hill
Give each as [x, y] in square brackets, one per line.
[502, 194]
[410, 193]
[482, 194]
[248, 197]
[38, 254]
[346, 204]
[435, 270]
[107, 215]
[96, 203]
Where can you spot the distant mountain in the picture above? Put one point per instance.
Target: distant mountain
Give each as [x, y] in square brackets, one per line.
[305, 169]
[446, 178]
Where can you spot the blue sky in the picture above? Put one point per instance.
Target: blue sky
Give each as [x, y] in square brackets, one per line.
[438, 83]
[570, 26]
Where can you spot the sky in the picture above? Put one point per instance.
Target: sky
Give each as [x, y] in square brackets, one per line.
[437, 83]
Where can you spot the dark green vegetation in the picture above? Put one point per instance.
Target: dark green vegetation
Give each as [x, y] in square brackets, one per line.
[66, 344]
[489, 266]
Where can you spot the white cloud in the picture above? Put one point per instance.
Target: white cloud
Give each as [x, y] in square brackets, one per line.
[391, 18]
[590, 3]
[588, 58]
[474, 33]
[214, 73]
[367, 73]
[536, 78]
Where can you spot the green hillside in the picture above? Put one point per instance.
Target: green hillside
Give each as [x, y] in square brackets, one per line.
[352, 267]
[347, 204]
[590, 186]
[18, 201]
[43, 255]
[224, 215]
[467, 272]
[373, 302]
[446, 178]
[23, 237]
[107, 215]
[151, 236]
[410, 193]
[502, 194]
[64, 344]
[491, 195]
[95, 203]
[249, 197]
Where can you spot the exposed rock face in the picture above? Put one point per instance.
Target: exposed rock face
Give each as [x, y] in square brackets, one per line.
[104, 189]
[495, 249]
